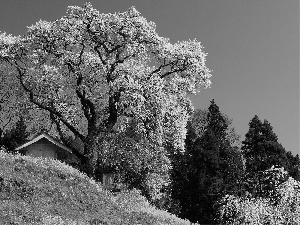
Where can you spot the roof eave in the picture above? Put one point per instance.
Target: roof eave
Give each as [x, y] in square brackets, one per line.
[49, 138]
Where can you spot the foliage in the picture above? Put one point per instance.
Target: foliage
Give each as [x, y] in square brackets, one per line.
[10, 92]
[210, 167]
[45, 191]
[198, 123]
[282, 207]
[263, 183]
[262, 150]
[110, 81]
[294, 166]
[15, 137]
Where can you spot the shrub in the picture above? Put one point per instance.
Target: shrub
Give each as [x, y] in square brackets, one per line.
[281, 207]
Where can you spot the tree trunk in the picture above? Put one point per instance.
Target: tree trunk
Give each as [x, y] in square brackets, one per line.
[90, 159]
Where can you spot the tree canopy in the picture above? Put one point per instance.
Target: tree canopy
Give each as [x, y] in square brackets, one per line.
[111, 82]
[262, 151]
[261, 148]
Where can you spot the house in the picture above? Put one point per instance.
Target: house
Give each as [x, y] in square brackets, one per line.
[46, 146]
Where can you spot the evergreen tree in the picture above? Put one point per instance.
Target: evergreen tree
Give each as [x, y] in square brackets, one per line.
[253, 137]
[230, 163]
[209, 168]
[294, 166]
[198, 183]
[232, 168]
[262, 151]
[261, 148]
[15, 137]
[217, 124]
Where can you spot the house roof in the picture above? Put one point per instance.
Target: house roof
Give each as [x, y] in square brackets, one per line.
[41, 136]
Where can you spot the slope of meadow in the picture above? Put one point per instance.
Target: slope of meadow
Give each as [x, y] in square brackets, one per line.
[45, 191]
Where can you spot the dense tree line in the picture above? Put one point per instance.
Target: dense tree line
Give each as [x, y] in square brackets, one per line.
[213, 165]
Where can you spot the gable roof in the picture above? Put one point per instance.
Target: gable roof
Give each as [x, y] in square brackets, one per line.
[41, 136]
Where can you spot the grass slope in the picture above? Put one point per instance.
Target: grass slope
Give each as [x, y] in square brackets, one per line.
[45, 191]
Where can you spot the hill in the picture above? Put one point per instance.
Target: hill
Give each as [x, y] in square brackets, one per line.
[46, 191]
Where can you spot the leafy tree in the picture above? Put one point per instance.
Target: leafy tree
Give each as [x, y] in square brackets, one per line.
[279, 205]
[9, 94]
[111, 82]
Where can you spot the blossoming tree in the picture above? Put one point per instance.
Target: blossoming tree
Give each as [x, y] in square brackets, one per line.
[281, 204]
[111, 82]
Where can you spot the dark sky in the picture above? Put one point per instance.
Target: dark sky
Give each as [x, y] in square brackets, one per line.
[252, 46]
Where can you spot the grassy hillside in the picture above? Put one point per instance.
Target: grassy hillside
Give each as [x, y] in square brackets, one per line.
[46, 191]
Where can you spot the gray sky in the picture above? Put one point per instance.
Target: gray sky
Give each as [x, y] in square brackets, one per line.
[252, 46]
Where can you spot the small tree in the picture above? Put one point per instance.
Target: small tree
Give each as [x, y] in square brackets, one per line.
[15, 137]
[280, 204]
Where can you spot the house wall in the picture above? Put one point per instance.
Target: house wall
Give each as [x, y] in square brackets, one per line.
[43, 148]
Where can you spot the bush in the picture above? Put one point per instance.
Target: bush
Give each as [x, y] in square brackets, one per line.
[282, 207]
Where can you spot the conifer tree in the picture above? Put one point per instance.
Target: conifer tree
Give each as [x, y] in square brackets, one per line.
[294, 166]
[15, 137]
[261, 148]
[217, 123]
[262, 151]
[230, 159]
[209, 167]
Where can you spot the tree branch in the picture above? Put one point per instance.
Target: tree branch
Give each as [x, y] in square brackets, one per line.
[113, 112]
[47, 108]
[74, 151]
[180, 68]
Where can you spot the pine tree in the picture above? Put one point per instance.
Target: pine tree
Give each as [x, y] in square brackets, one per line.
[209, 168]
[261, 148]
[253, 137]
[15, 137]
[230, 159]
[294, 166]
[217, 123]
[200, 183]
[262, 151]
